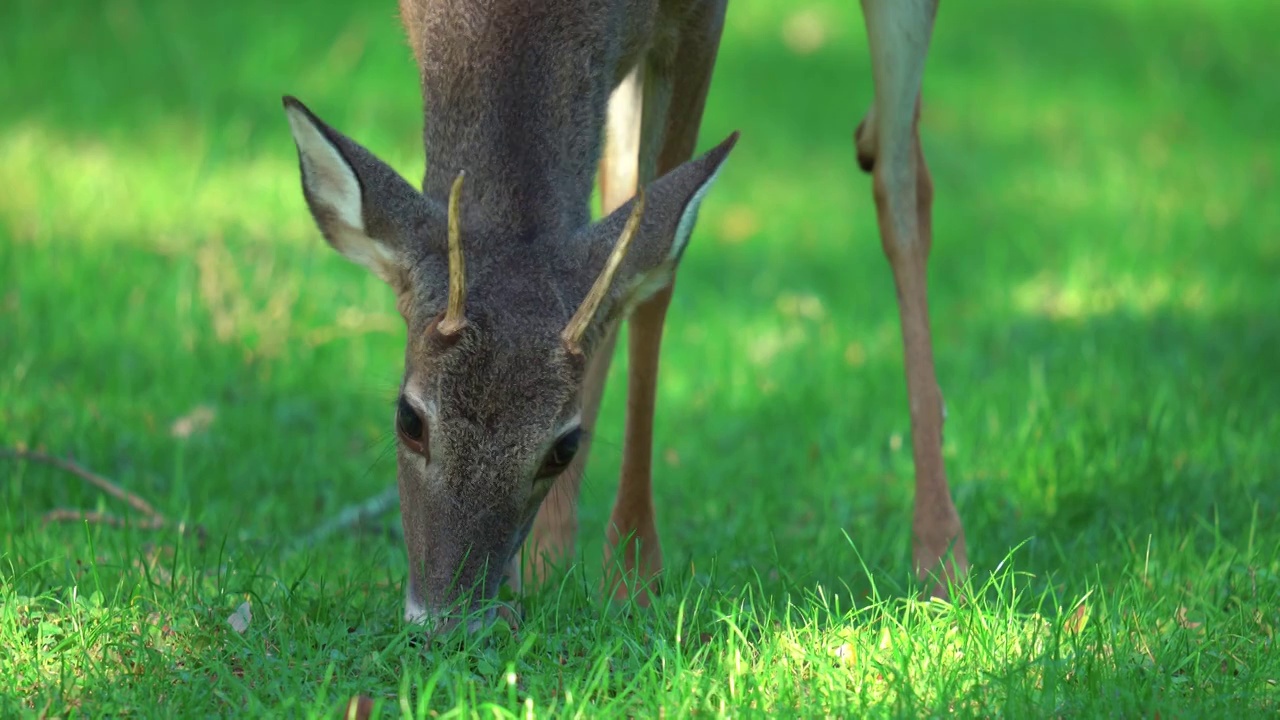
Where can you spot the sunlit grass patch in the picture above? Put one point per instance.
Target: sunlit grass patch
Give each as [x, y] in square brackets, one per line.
[79, 642]
[168, 194]
[1012, 644]
[1102, 289]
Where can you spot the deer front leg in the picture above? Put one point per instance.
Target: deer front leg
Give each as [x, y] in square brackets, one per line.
[674, 96]
[888, 143]
[631, 537]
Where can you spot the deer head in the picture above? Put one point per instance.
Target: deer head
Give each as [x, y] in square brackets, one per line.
[500, 329]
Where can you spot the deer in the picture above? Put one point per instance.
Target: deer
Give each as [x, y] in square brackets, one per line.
[513, 297]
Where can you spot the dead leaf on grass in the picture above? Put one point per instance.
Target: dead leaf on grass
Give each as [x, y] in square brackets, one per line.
[196, 421]
[359, 707]
[241, 618]
[1183, 622]
[1078, 620]
[846, 652]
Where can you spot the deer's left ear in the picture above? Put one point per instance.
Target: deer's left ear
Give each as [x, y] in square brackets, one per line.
[364, 209]
[669, 214]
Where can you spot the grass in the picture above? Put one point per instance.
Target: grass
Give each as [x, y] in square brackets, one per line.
[1104, 289]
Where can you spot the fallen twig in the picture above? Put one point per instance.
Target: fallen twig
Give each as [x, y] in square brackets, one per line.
[348, 517]
[90, 477]
[94, 517]
[353, 515]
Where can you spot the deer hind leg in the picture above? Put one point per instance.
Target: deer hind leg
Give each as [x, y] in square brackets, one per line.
[888, 143]
[675, 93]
[556, 526]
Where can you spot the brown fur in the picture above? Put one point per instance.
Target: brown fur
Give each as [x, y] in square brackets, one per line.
[515, 95]
[888, 146]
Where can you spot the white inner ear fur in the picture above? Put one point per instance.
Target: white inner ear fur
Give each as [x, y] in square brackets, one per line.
[333, 184]
[328, 176]
[684, 229]
[646, 284]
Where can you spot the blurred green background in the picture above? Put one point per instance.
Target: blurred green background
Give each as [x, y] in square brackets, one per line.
[1105, 282]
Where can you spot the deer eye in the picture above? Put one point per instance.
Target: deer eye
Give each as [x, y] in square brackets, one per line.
[409, 427]
[561, 454]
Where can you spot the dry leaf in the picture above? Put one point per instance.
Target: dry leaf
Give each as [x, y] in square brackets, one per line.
[359, 707]
[1184, 622]
[1078, 619]
[198, 420]
[846, 652]
[241, 618]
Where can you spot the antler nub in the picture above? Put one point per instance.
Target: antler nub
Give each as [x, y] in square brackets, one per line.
[455, 313]
[577, 327]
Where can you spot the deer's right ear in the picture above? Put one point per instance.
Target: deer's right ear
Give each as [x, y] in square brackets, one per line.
[364, 209]
[633, 252]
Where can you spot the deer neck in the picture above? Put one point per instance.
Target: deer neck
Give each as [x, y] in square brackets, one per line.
[518, 103]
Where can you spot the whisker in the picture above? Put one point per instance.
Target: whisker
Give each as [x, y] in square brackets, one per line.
[388, 441]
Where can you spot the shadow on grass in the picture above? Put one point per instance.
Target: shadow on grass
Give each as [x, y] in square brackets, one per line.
[1069, 437]
[758, 487]
[1105, 427]
[1084, 435]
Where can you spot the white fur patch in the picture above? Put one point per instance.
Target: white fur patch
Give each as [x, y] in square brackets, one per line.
[328, 176]
[644, 286]
[428, 472]
[684, 229]
[570, 424]
[413, 394]
[362, 249]
[414, 612]
[333, 184]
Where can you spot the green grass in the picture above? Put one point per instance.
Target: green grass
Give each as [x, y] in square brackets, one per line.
[1105, 284]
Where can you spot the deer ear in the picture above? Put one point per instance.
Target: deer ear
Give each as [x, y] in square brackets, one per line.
[364, 209]
[669, 215]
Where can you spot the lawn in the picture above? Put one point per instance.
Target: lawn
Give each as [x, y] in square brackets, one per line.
[1105, 286]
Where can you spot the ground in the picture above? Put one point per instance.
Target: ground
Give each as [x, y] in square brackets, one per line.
[1104, 293]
